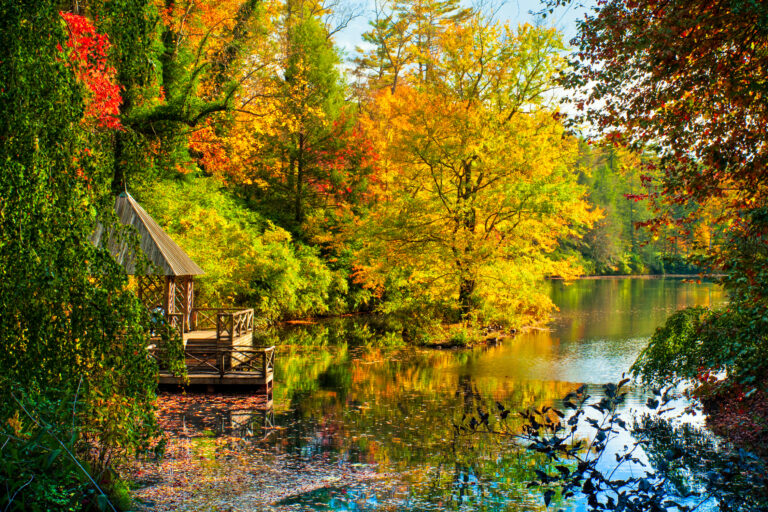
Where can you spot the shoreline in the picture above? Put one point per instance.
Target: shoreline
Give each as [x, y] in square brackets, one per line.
[640, 276]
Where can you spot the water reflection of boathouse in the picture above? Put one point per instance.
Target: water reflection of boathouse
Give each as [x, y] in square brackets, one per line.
[218, 342]
[239, 415]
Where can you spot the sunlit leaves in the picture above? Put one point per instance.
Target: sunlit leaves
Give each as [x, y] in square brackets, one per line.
[247, 259]
[87, 55]
[475, 183]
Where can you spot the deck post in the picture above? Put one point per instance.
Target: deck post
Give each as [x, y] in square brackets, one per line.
[264, 363]
[184, 297]
[169, 296]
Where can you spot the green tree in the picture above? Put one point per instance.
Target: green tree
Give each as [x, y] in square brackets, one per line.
[616, 179]
[391, 35]
[405, 35]
[309, 99]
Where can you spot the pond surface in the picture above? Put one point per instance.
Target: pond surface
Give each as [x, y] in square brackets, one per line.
[355, 428]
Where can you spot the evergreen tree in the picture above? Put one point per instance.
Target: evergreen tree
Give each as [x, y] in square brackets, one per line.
[310, 95]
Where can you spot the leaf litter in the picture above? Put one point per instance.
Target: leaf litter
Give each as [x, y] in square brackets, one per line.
[220, 457]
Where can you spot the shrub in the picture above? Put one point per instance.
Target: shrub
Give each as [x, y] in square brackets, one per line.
[247, 260]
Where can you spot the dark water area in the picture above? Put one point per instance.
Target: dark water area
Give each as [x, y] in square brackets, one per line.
[354, 427]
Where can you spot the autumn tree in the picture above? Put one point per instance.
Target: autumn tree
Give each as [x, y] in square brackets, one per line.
[477, 189]
[687, 79]
[285, 144]
[178, 64]
[431, 19]
[390, 35]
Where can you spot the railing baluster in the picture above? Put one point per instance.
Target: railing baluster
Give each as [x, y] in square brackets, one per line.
[225, 360]
[238, 323]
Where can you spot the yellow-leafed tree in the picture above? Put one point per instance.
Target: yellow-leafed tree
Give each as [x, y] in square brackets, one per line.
[477, 187]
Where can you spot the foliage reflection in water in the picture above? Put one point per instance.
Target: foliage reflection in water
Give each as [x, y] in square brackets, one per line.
[358, 427]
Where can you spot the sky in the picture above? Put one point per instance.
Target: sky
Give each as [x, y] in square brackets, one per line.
[514, 11]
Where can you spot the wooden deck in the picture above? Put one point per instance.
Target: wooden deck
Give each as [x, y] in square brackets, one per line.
[226, 366]
[220, 352]
[209, 337]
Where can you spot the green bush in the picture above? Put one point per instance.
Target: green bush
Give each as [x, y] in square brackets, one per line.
[459, 338]
[248, 261]
[42, 459]
[697, 341]
[675, 349]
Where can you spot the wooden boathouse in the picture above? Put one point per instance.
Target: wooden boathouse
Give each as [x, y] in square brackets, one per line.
[218, 342]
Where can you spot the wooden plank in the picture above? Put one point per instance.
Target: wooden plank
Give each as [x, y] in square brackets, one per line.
[199, 335]
[210, 335]
[214, 379]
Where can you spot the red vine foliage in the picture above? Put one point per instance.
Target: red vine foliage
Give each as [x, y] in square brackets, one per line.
[88, 58]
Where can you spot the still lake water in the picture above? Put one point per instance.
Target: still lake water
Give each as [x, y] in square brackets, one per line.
[358, 428]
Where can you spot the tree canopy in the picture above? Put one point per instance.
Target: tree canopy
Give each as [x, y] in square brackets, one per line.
[477, 189]
[686, 80]
[432, 178]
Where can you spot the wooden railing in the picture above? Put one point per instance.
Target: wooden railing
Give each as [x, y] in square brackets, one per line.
[229, 323]
[247, 360]
[268, 362]
[204, 319]
[233, 325]
[226, 360]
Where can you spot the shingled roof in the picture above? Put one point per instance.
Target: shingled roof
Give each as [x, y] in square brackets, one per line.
[159, 248]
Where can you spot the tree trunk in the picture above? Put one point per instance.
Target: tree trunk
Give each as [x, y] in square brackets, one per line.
[298, 200]
[468, 220]
[466, 289]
